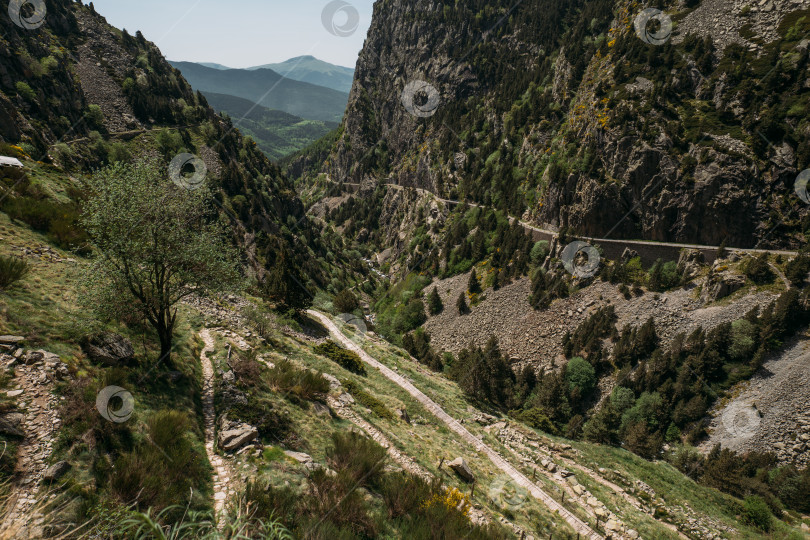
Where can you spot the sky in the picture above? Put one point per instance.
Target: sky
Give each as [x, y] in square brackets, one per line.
[245, 33]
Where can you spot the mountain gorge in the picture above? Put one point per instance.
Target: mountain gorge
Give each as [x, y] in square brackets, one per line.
[559, 112]
[547, 277]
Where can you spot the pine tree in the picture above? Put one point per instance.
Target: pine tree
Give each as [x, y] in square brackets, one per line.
[461, 304]
[473, 286]
[435, 305]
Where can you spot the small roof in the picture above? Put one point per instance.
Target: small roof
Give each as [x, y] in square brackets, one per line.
[6, 161]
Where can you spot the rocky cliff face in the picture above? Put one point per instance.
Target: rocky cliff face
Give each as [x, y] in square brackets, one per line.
[564, 113]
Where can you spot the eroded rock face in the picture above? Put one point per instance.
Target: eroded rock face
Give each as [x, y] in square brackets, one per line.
[109, 349]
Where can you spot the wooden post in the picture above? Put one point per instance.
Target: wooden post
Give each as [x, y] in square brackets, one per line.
[441, 462]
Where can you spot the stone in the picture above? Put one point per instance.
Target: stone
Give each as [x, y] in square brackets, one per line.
[236, 438]
[321, 409]
[56, 471]
[14, 393]
[109, 349]
[612, 525]
[632, 533]
[300, 457]
[11, 340]
[460, 467]
[11, 424]
[403, 415]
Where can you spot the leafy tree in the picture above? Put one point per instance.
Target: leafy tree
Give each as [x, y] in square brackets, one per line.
[539, 251]
[346, 301]
[743, 336]
[157, 244]
[580, 374]
[435, 305]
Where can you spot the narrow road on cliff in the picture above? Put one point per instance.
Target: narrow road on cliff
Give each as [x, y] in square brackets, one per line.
[630, 243]
[519, 478]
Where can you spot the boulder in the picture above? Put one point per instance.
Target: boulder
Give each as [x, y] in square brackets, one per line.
[11, 424]
[461, 468]
[403, 415]
[236, 438]
[56, 471]
[321, 409]
[109, 349]
[11, 340]
[629, 254]
[300, 457]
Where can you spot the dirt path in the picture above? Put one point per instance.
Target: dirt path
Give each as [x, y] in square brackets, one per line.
[223, 487]
[577, 524]
[41, 420]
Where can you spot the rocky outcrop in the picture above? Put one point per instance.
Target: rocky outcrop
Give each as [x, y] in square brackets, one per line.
[109, 349]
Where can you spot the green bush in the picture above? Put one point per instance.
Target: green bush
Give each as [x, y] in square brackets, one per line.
[346, 302]
[347, 359]
[758, 270]
[757, 513]
[94, 117]
[169, 142]
[12, 269]
[743, 340]
[367, 400]
[361, 458]
[300, 383]
[164, 467]
[25, 91]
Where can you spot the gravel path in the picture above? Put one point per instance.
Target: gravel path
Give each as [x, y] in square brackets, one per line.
[39, 425]
[222, 472]
[770, 414]
[579, 526]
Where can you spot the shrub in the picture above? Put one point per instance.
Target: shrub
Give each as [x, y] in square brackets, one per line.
[757, 269]
[410, 317]
[169, 142]
[302, 384]
[346, 302]
[367, 400]
[94, 117]
[757, 513]
[797, 269]
[361, 458]
[347, 359]
[25, 91]
[12, 269]
[64, 153]
[163, 468]
[536, 418]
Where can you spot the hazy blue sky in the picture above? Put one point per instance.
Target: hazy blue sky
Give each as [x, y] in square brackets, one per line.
[239, 34]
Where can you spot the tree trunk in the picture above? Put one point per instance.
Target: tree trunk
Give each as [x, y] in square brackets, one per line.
[165, 336]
